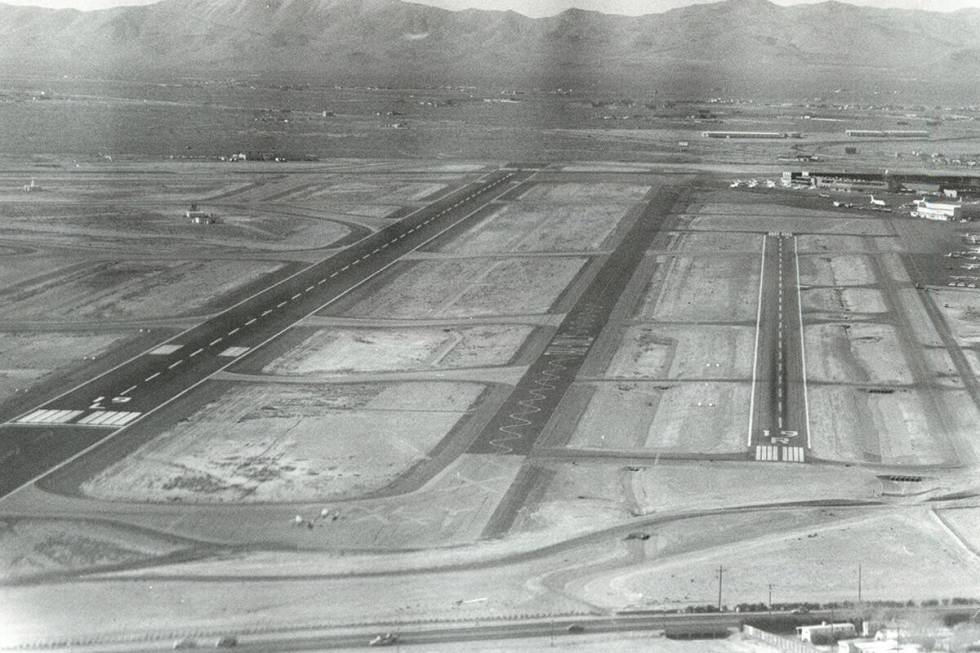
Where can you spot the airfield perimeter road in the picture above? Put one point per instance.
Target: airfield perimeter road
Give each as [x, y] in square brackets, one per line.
[43, 438]
[778, 412]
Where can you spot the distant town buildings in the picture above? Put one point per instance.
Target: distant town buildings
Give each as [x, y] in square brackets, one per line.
[886, 133]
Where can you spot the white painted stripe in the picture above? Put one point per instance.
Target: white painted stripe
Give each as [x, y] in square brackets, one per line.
[151, 377]
[334, 274]
[196, 352]
[266, 312]
[252, 321]
[127, 391]
[233, 352]
[49, 416]
[281, 304]
[755, 356]
[165, 350]
[297, 295]
[214, 342]
[175, 364]
[234, 331]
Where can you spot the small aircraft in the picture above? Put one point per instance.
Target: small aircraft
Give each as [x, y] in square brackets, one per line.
[875, 202]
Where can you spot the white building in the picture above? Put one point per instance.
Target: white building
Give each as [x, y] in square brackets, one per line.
[826, 633]
[942, 210]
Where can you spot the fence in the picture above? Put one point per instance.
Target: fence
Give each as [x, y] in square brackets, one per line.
[782, 643]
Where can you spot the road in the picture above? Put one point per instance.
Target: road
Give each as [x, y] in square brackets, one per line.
[779, 410]
[40, 439]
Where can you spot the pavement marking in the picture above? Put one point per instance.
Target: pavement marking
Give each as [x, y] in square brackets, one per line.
[175, 364]
[266, 312]
[758, 332]
[111, 418]
[332, 275]
[346, 267]
[151, 377]
[251, 321]
[196, 352]
[127, 391]
[234, 352]
[165, 350]
[49, 416]
[767, 453]
[793, 454]
[234, 331]
[214, 342]
[297, 295]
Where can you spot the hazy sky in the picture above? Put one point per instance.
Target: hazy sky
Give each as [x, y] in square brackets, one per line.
[549, 7]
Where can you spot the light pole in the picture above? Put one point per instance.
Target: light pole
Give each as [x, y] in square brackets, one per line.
[770, 598]
[721, 573]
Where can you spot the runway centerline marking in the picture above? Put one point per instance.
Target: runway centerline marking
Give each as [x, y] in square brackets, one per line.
[251, 321]
[758, 333]
[266, 312]
[214, 342]
[127, 391]
[151, 377]
[173, 365]
[196, 352]
[234, 331]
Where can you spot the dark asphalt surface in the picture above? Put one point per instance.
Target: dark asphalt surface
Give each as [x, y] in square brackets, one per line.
[779, 416]
[149, 381]
[520, 420]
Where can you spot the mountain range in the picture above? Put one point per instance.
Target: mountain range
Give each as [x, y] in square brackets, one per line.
[395, 42]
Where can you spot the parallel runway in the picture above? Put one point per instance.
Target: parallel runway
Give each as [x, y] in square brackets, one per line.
[43, 438]
[779, 411]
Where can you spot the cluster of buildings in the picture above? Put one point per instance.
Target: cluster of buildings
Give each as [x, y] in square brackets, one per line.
[845, 638]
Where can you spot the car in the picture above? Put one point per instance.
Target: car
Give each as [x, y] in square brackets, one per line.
[228, 641]
[186, 642]
[387, 639]
[576, 628]
[800, 611]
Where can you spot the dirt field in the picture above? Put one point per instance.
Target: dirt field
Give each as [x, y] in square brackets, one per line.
[130, 289]
[962, 311]
[843, 300]
[855, 353]
[678, 417]
[844, 270]
[860, 426]
[819, 243]
[791, 220]
[693, 289]
[471, 288]
[903, 555]
[684, 352]
[260, 442]
[582, 496]
[600, 192]
[26, 358]
[30, 547]
[540, 227]
[337, 351]
[708, 241]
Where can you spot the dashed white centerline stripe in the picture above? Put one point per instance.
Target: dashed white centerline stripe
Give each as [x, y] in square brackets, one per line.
[234, 331]
[214, 342]
[310, 288]
[196, 352]
[266, 312]
[334, 274]
[175, 364]
[281, 304]
[346, 267]
[252, 321]
[297, 295]
[127, 391]
[151, 377]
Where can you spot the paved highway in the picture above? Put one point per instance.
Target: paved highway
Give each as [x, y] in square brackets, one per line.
[779, 411]
[42, 438]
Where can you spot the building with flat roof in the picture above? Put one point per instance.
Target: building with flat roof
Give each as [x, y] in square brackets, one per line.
[826, 633]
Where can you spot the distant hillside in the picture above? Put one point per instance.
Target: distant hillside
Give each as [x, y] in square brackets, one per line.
[388, 41]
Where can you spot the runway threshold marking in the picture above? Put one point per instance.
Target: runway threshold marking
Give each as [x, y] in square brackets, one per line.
[109, 418]
[49, 416]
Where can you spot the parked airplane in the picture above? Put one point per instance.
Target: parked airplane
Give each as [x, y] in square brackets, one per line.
[875, 202]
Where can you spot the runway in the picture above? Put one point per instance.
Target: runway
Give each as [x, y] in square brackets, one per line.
[778, 410]
[88, 413]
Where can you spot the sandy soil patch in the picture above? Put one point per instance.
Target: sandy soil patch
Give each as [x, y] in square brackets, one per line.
[26, 358]
[829, 223]
[860, 426]
[844, 270]
[965, 522]
[906, 555]
[584, 193]
[583, 496]
[855, 352]
[539, 227]
[711, 242]
[844, 300]
[817, 243]
[677, 417]
[289, 443]
[338, 351]
[703, 288]
[471, 287]
[131, 289]
[37, 546]
[962, 312]
[684, 352]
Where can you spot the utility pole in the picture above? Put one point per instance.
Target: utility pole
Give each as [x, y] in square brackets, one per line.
[721, 573]
[770, 598]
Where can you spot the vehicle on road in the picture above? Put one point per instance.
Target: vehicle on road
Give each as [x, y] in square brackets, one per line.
[576, 628]
[228, 641]
[387, 639]
[186, 642]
